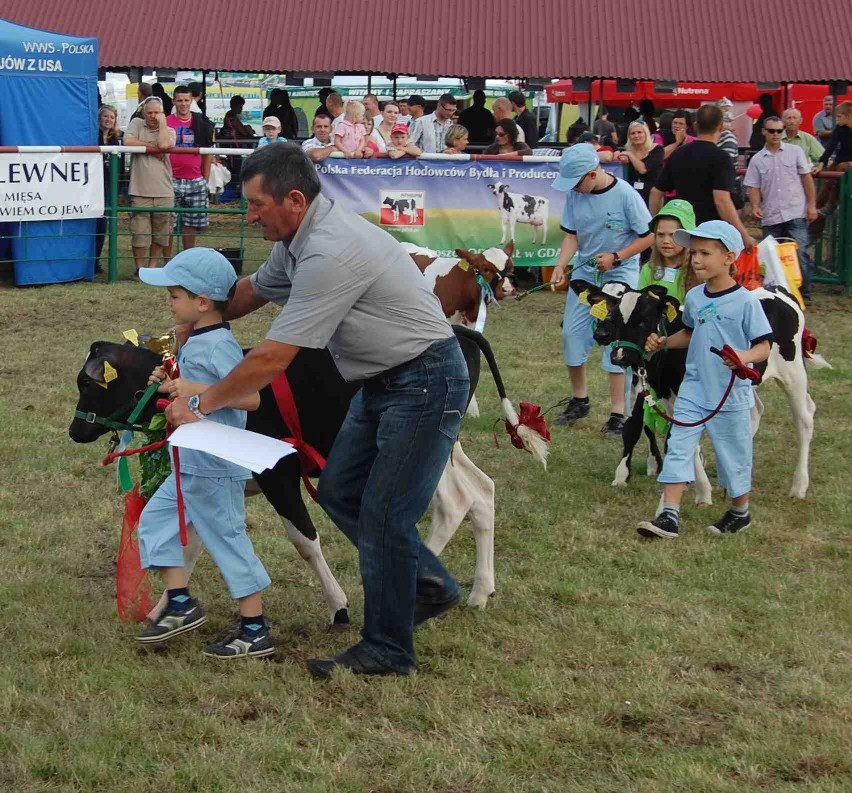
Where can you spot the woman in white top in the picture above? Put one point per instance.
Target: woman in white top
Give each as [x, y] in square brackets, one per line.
[375, 142]
[390, 113]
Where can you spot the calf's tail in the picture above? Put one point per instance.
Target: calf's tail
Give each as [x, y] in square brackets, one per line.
[527, 431]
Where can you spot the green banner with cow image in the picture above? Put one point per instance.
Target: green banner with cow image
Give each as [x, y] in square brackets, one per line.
[449, 204]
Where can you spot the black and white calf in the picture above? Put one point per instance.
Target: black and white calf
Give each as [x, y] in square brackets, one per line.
[634, 315]
[322, 398]
[520, 208]
[402, 206]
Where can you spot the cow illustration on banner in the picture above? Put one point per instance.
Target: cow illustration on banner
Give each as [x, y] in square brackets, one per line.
[449, 204]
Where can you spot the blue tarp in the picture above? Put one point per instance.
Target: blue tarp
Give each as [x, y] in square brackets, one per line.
[48, 97]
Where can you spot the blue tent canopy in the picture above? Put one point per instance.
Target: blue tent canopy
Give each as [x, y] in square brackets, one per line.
[48, 97]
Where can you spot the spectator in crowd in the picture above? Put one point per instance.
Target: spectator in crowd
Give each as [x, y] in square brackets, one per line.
[728, 140]
[416, 108]
[455, 116]
[199, 103]
[792, 120]
[150, 184]
[577, 129]
[334, 103]
[606, 153]
[646, 113]
[404, 114]
[323, 96]
[400, 145]
[158, 91]
[456, 140]
[375, 142]
[631, 114]
[143, 92]
[502, 111]
[704, 175]
[680, 130]
[507, 140]
[524, 118]
[478, 120]
[428, 132]
[766, 110]
[781, 192]
[664, 135]
[371, 108]
[271, 127]
[605, 129]
[320, 146]
[824, 120]
[301, 122]
[108, 135]
[350, 135]
[233, 129]
[280, 107]
[190, 171]
[387, 121]
[642, 158]
[839, 145]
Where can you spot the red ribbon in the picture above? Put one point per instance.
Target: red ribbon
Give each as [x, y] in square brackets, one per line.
[310, 459]
[530, 416]
[809, 343]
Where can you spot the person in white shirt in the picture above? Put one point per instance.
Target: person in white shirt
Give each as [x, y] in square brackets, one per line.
[371, 105]
[320, 146]
[429, 132]
[502, 110]
[334, 103]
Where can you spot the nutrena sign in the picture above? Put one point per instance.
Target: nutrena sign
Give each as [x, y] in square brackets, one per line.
[40, 52]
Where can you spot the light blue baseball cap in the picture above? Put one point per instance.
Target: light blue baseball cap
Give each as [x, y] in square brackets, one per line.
[575, 163]
[201, 271]
[712, 230]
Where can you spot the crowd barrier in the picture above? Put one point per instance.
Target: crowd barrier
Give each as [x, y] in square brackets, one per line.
[243, 244]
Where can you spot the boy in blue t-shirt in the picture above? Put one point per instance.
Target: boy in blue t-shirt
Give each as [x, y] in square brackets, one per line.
[201, 282]
[719, 312]
[607, 225]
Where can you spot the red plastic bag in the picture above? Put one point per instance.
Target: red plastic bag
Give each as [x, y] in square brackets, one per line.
[748, 270]
[132, 587]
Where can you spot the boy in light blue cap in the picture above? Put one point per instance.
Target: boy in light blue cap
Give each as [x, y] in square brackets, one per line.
[717, 313]
[201, 282]
[607, 225]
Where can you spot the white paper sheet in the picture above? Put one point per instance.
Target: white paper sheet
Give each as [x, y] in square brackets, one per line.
[249, 449]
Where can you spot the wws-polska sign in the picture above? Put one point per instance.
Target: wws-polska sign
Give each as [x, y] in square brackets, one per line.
[51, 186]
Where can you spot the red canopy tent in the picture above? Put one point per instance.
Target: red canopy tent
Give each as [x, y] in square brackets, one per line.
[686, 95]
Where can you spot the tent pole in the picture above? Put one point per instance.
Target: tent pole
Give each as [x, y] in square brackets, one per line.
[369, 83]
[394, 88]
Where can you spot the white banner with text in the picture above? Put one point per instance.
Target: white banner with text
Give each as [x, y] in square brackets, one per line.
[51, 186]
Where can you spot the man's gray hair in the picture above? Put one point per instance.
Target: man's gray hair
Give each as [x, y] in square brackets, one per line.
[791, 111]
[282, 167]
[150, 100]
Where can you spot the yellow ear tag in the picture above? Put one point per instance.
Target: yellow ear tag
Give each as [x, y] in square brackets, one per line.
[583, 297]
[671, 313]
[600, 310]
[109, 373]
[653, 294]
[463, 265]
[132, 336]
[102, 385]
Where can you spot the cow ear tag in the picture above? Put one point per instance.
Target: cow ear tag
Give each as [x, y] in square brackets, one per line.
[599, 310]
[102, 385]
[583, 297]
[109, 373]
[463, 265]
[671, 312]
[132, 336]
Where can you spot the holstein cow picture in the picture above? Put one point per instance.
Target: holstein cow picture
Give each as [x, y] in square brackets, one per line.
[521, 208]
[633, 315]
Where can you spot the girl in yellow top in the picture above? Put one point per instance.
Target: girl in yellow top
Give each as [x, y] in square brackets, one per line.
[669, 265]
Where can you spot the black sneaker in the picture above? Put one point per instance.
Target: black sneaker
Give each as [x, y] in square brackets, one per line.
[575, 411]
[240, 644]
[172, 623]
[730, 523]
[613, 428]
[664, 525]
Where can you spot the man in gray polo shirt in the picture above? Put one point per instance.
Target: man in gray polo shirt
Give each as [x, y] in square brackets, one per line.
[347, 285]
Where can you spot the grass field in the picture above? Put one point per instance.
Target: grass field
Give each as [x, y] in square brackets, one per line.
[603, 663]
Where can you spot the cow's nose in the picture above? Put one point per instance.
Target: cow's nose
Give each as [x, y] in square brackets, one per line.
[508, 287]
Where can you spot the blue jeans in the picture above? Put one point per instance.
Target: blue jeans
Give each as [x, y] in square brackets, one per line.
[796, 230]
[381, 474]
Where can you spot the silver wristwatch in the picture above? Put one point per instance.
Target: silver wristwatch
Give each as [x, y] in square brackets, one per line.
[193, 404]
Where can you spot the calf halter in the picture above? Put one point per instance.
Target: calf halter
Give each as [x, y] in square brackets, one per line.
[113, 421]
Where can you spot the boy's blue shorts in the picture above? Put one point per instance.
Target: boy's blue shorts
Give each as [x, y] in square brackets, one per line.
[730, 432]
